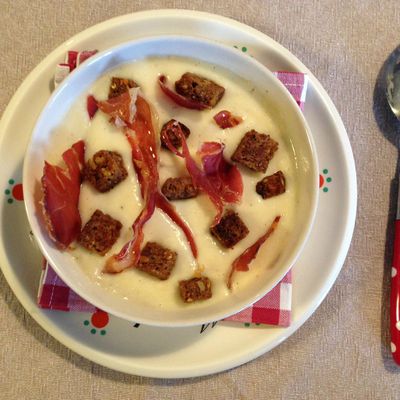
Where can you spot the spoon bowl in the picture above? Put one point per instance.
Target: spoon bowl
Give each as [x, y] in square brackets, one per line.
[393, 87]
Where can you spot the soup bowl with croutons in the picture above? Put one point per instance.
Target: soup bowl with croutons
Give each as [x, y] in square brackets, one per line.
[171, 181]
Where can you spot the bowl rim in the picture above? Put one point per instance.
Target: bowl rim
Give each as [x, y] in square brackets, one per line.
[305, 232]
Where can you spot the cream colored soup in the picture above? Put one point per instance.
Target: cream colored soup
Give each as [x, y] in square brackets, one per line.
[124, 201]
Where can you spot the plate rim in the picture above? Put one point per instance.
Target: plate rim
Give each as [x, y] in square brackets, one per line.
[43, 318]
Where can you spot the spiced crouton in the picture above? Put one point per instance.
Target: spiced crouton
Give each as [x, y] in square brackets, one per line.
[195, 289]
[271, 185]
[100, 233]
[199, 89]
[255, 151]
[119, 86]
[169, 130]
[179, 188]
[157, 260]
[105, 170]
[230, 230]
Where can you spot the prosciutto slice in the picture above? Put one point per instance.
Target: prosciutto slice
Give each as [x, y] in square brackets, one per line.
[225, 119]
[130, 252]
[140, 134]
[177, 98]
[219, 180]
[164, 205]
[224, 176]
[91, 106]
[61, 188]
[242, 262]
[121, 108]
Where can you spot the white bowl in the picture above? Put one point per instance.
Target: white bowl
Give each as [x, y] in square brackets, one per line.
[289, 118]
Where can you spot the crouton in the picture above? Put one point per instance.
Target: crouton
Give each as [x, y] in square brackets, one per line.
[100, 233]
[271, 185]
[230, 230]
[195, 289]
[179, 188]
[105, 170]
[119, 86]
[199, 89]
[157, 260]
[169, 130]
[255, 151]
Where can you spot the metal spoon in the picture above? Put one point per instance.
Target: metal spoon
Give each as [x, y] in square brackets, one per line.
[393, 98]
[393, 86]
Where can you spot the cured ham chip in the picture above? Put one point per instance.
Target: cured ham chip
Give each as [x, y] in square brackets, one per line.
[224, 176]
[61, 189]
[225, 119]
[136, 113]
[91, 106]
[220, 180]
[242, 262]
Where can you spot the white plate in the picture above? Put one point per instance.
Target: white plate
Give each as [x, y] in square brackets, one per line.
[184, 352]
[221, 306]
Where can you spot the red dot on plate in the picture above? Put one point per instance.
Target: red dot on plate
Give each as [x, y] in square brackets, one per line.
[321, 181]
[17, 192]
[100, 319]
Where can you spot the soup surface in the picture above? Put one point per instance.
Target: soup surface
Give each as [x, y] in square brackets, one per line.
[124, 202]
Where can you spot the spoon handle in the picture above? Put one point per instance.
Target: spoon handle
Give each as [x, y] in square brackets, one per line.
[395, 295]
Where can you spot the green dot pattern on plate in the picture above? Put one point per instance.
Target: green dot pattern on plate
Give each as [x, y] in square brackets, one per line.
[324, 180]
[103, 332]
[93, 331]
[14, 191]
[86, 322]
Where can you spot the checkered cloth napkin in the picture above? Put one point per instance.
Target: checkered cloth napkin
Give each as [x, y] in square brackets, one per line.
[273, 309]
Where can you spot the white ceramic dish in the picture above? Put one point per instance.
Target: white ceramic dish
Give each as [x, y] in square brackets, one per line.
[195, 351]
[287, 116]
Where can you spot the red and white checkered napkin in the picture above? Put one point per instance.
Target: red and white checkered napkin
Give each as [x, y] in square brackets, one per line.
[72, 60]
[296, 83]
[54, 294]
[274, 308]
